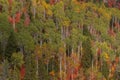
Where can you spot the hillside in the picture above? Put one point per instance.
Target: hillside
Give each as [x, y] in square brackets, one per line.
[59, 39]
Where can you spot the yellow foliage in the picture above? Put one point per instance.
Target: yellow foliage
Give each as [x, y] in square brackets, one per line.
[47, 8]
[83, 6]
[104, 13]
[106, 56]
[112, 69]
[38, 52]
[76, 2]
[61, 50]
[34, 3]
[66, 23]
[92, 6]
[49, 12]
[44, 4]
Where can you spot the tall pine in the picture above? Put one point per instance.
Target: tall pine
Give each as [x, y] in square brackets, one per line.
[11, 46]
[87, 51]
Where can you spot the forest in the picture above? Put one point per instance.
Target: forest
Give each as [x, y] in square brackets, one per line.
[59, 39]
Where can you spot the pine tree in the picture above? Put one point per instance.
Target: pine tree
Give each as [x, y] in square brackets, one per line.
[105, 69]
[11, 46]
[87, 54]
[87, 51]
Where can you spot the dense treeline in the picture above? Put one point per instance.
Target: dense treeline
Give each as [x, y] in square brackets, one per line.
[59, 39]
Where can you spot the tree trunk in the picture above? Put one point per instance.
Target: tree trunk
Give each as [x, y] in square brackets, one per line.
[34, 12]
[47, 67]
[78, 51]
[37, 66]
[14, 23]
[44, 13]
[62, 37]
[60, 67]
[65, 66]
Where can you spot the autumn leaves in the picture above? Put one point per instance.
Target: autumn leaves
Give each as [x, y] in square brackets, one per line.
[15, 18]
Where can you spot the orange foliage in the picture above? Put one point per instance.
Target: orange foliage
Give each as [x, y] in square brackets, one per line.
[52, 2]
[116, 59]
[111, 33]
[10, 2]
[52, 73]
[72, 71]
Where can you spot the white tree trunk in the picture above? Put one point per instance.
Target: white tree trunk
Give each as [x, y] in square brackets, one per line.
[14, 23]
[60, 68]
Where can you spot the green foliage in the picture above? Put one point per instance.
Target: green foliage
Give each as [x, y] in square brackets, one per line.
[14, 74]
[86, 32]
[25, 39]
[1, 51]
[17, 59]
[87, 54]
[30, 67]
[58, 30]
[11, 46]
[5, 70]
[43, 73]
[105, 69]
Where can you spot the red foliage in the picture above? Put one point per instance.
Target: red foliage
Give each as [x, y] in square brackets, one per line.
[10, 19]
[72, 73]
[52, 2]
[22, 72]
[111, 3]
[17, 17]
[99, 51]
[116, 24]
[118, 4]
[27, 20]
[10, 2]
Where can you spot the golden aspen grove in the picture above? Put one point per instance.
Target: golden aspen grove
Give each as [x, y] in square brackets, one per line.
[59, 39]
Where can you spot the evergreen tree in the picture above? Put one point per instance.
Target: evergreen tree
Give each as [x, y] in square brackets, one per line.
[11, 46]
[87, 54]
[86, 31]
[105, 69]
[87, 51]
